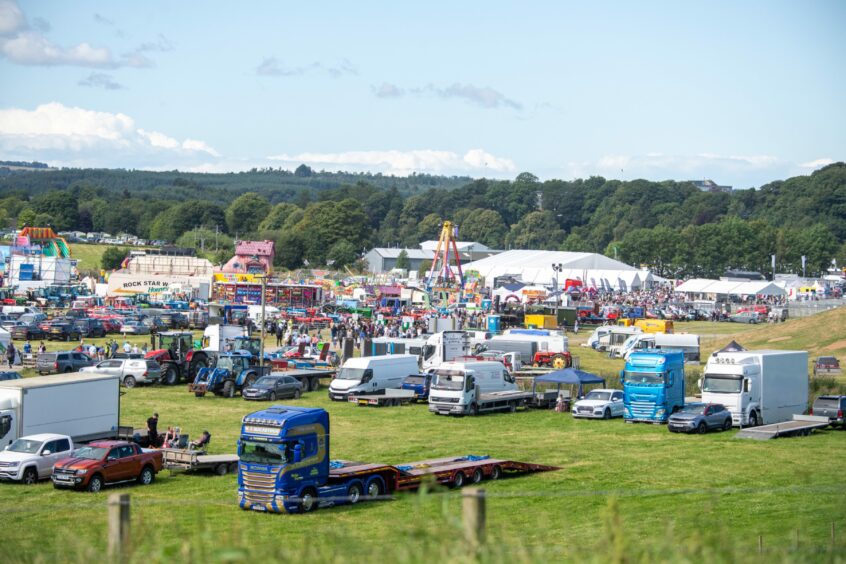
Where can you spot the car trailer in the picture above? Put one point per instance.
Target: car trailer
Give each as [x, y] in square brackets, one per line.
[309, 377]
[800, 426]
[391, 398]
[175, 459]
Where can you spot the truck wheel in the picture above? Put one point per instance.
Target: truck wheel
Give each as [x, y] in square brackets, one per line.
[95, 484]
[374, 488]
[512, 407]
[146, 477]
[308, 501]
[171, 375]
[354, 493]
[458, 480]
[129, 381]
[233, 467]
[200, 394]
[221, 469]
[496, 473]
[297, 394]
[474, 409]
[606, 414]
[753, 419]
[702, 428]
[477, 476]
[229, 389]
[30, 476]
[313, 384]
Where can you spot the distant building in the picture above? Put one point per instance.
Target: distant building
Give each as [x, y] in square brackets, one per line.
[463, 246]
[383, 259]
[710, 186]
[251, 257]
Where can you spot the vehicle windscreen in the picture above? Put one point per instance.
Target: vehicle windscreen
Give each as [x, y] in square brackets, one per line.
[722, 384]
[428, 351]
[91, 453]
[265, 382]
[604, 396]
[25, 446]
[414, 380]
[355, 374]
[695, 408]
[649, 378]
[827, 402]
[225, 363]
[263, 453]
[448, 380]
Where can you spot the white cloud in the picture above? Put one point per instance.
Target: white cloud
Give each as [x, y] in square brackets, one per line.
[101, 80]
[818, 163]
[403, 163]
[271, 66]
[11, 17]
[482, 96]
[70, 136]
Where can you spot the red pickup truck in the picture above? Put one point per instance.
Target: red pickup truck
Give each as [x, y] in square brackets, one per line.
[106, 462]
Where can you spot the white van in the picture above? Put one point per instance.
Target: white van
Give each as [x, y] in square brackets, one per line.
[372, 375]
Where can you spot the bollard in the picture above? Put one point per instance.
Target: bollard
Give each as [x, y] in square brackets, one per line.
[118, 511]
[473, 513]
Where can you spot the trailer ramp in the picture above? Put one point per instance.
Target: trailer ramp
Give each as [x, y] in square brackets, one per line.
[801, 425]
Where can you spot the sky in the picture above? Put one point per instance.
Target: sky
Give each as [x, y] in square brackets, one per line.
[739, 92]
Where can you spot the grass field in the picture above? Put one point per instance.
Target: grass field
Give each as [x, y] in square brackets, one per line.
[623, 493]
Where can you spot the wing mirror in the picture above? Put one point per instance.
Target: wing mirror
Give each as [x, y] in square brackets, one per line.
[46, 452]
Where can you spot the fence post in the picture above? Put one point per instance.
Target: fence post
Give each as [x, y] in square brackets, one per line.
[473, 514]
[118, 510]
[760, 544]
[833, 537]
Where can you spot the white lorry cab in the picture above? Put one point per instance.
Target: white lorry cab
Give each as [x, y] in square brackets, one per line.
[372, 375]
[445, 346]
[757, 387]
[688, 343]
[468, 388]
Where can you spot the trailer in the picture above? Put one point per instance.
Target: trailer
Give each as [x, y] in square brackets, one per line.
[391, 398]
[310, 377]
[286, 467]
[800, 426]
[191, 460]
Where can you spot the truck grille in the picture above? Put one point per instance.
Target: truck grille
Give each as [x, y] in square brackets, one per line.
[643, 409]
[444, 400]
[254, 497]
[258, 481]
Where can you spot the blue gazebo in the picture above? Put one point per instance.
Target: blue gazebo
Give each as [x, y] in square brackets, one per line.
[570, 377]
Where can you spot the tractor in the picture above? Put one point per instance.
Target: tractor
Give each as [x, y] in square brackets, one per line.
[233, 372]
[174, 351]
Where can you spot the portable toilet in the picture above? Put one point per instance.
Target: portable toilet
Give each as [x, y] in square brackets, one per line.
[493, 323]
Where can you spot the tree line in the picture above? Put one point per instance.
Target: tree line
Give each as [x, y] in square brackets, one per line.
[320, 219]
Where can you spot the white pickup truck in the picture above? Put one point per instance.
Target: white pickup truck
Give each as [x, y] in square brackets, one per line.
[31, 458]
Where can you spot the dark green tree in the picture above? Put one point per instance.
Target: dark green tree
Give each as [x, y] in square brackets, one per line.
[112, 257]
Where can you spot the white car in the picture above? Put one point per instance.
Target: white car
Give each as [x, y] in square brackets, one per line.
[31, 458]
[600, 404]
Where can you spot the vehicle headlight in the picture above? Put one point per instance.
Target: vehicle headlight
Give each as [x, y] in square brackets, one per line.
[661, 411]
[13, 464]
[82, 472]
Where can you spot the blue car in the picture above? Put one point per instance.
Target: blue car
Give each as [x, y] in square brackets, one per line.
[9, 376]
[700, 418]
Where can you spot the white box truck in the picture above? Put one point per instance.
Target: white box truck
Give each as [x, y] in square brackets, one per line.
[470, 388]
[83, 406]
[758, 387]
[372, 375]
[688, 343]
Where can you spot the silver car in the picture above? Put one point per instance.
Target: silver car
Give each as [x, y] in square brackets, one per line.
[600, 404]
[132, 327]
[132, 371]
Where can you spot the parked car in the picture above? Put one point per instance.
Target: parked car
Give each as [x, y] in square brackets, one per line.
[134, 328]
[600, 404]
[833, 407]
[826, 366]
[132, 371]
[106, 462]
[273, 387]
[700, 418]
[61, 331]
[57, 362]
[31, 458]
[745, 317]
[88, 328]
[9, 376]
[27, 331]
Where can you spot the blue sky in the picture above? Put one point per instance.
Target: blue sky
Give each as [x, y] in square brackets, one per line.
[741, 92]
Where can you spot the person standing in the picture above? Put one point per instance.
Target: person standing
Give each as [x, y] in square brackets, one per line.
[153, 430]
[10, 353]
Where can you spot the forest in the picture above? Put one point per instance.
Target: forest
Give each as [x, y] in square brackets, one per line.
[320, 218]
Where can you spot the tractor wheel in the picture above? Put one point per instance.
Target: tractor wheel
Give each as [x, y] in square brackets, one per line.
[229, 389]
[559, 361]
[171, 375]
[199, 361]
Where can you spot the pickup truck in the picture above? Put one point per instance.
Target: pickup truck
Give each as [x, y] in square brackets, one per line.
[826, 366]
[832, 407]
[106, 462]
[130, 371]
[64, 361]
[31, 458]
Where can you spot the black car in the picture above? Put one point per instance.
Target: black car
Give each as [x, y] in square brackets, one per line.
[28, 332]
[273, 387]
[833, 407]
[61, 331]
[700, 418]
[89, 328]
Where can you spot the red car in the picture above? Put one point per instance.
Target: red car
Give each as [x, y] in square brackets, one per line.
[106, 462]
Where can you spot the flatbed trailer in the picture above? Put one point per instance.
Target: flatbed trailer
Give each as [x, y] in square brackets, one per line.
[800, 426]
[391, 398]
[190, 460]
[508, 400]
[310, 377]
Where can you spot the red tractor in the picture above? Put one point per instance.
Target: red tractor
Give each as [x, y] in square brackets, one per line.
[174, 351]
[553, 359]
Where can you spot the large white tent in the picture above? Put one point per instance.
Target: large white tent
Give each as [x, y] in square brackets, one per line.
[535, 267]
[730, 288]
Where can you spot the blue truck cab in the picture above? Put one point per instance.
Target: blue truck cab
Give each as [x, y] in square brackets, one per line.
[653, 385]
[284, 459]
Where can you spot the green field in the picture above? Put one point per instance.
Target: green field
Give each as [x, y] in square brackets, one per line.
[623, 492]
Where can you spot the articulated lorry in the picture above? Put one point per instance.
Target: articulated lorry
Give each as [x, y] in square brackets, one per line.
[653, 385]
[285, 466]
[758, 387]
[84, 406]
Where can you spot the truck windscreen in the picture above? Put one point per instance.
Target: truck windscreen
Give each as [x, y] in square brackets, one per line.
[644, 377]
[448, 380]
[722, 384]
[263, 453]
